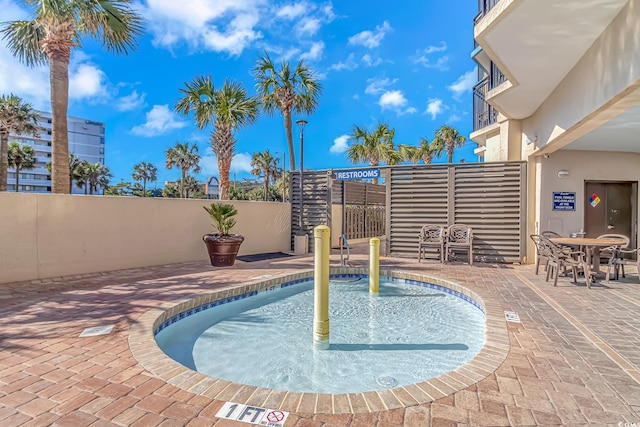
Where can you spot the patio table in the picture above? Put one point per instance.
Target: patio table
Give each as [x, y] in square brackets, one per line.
[591, 244]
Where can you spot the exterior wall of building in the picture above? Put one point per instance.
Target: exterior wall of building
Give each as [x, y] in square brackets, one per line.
[582, 166]
[51, 235]
[604, 83]
[86, 140]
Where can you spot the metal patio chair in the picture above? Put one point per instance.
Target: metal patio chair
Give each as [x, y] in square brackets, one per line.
[619, 259]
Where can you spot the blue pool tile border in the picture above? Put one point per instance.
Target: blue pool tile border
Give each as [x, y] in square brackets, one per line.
[173, 319]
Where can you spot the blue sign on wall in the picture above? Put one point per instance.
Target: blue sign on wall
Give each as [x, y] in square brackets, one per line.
[358, 174]
[564, 201]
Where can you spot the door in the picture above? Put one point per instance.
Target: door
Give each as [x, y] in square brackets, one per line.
[611, 208]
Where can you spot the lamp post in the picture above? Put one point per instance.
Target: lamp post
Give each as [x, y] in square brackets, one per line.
[284, 173]
[301, 123]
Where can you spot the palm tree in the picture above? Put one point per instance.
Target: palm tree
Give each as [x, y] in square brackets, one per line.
[57, 27]
[193, 189]
[21, 157]
[374, 147]
[16, 117]
[424, 151]
[98, 175]
[286, 91]
[185, 157]
[144, 172]
[448, 138]
[228, 108]
[267, 165]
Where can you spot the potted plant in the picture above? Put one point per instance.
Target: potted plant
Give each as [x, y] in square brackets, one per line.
[222, 246]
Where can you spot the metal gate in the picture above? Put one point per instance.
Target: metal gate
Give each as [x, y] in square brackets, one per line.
[316, 202]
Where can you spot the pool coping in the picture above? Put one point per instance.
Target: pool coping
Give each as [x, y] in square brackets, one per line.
[146, 351]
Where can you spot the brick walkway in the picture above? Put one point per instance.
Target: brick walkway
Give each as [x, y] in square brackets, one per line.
[574, 358]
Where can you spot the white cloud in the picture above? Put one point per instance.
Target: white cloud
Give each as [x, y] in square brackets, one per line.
[221, 26]
[291, 11]
[87, 81]
[441, 63]
[369, 38]
[432, 49]
[464, 83]
[376, 86]
[434, 107]
[339, 145]
[454, 118]
[131, 102]
[241, 162]
[392, 100]
[315, 52]
[349, 64]
[160, 120]
[370, 62]
[395, 100]
[308, 26]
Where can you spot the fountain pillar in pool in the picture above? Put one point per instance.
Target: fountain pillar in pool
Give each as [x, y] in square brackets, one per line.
[322, 247]
[374, 266]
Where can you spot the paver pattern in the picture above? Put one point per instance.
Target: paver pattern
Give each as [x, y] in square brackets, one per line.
[574, 358]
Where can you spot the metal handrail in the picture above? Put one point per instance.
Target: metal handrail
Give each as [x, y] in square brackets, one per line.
[344, 244]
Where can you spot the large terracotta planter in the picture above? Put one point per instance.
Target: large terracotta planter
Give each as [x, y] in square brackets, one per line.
[222, 249]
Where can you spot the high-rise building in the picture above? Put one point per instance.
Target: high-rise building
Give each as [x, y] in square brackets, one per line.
[559, 89]
[86, 140]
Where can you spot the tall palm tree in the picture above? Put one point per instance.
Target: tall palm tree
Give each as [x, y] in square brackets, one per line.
[57, 27]
[265, 164]
[285, 90]
[424, 151]
[373, 147]
[144, 172]
[228, 108]
[448, 138]
[186, 158]
[16, 117]
[21, 157]
[98, 175]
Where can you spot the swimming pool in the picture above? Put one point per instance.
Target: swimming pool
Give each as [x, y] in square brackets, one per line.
[411, 332]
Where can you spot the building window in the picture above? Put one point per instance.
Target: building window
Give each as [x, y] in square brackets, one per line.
[101, 150]
[102, 160]
[101, 140]
[49, 132]
[48, 120]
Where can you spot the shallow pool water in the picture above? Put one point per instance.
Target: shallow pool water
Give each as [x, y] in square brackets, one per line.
[407, 334]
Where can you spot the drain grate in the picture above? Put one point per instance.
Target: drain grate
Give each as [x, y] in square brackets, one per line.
[97, 330]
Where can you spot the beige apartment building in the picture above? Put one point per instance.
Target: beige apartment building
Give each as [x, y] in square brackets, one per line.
[559, 88]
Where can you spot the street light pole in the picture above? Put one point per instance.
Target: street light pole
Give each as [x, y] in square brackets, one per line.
[301, 123]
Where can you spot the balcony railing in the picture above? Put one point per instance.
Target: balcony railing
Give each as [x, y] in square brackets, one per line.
[483, 113]
[496, 78]
[484, 6]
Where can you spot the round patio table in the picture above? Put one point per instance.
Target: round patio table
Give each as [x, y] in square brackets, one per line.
[592, 245]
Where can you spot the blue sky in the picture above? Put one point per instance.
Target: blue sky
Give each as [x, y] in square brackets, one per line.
[404, 63]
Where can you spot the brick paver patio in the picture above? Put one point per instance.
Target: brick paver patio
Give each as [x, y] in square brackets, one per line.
[574, 358]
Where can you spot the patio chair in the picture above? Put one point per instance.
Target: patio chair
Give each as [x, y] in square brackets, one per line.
[542, 251]
[620, 258]
[610, 251]
[550, 234]
[560, 259]
[460, 238]
[431, 237]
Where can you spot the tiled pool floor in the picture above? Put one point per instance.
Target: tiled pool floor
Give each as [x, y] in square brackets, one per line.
[573, 359]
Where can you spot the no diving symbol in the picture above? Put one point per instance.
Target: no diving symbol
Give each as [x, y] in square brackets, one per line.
[275, 416]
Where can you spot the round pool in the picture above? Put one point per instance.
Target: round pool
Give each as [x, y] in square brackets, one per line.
[411, 332]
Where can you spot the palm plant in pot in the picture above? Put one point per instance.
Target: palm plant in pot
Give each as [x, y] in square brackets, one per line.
[222, 246]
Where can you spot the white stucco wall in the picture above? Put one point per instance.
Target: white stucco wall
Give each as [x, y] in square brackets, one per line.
[46, 235]
[604, 83]
[582, 166]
